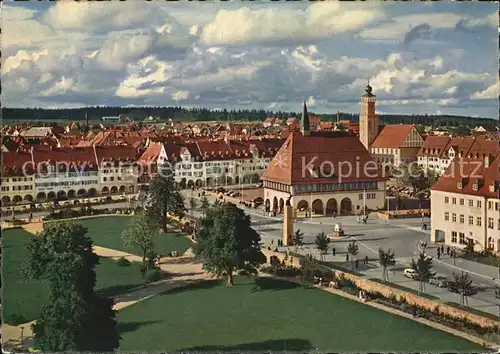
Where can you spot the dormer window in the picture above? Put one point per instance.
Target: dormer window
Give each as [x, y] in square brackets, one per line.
[475, 187]
[460, 185]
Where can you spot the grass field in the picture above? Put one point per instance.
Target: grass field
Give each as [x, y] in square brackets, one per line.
[106, 232]
[24, 298]
[281, 316]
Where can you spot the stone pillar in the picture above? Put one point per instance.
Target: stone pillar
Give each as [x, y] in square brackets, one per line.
[287, 225]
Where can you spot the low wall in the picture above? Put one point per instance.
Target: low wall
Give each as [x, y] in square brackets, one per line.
[388, 291]
[402, 214]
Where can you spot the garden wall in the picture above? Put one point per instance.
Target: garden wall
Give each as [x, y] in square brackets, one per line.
[387, 291]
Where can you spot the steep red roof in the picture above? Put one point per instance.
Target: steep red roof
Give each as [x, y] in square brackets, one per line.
[288, 166]
[16, 163]
[392, 136]
[434, 146]
[471, 173]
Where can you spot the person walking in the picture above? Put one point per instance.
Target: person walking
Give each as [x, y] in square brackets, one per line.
[347, 257]
[448, 250]
[442, 249]
[366, 259]
[333, 251]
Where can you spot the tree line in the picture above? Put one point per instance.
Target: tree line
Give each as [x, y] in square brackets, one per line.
[204, 114]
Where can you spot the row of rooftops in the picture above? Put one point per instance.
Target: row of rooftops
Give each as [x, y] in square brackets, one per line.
[212, 149]
[471, 176]
[467, 146]
[39, 158]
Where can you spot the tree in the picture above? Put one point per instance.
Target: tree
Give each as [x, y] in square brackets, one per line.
[353, 250]
[75, 318]
[164, 198]
[193, 204]
[298, 239]
[227, 243]
[423, 267]
[322, 243]
[386, 259]
[205, 204]
[140, 234]
[464, 286]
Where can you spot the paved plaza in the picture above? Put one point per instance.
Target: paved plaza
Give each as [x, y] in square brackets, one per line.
[401, 235]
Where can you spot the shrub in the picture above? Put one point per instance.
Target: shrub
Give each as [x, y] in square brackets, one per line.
[123, 262]
[15, 319]
[153, 275]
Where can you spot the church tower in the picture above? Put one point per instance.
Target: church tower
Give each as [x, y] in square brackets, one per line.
[304, 126]
[368, 119]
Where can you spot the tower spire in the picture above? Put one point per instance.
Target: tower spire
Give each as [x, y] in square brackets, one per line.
[305, 121]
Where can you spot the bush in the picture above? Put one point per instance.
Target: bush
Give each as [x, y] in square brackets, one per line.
[123, 262]
[16, 319]
[153, 275]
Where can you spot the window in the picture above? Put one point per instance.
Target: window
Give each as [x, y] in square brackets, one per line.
[471, 203]
[454, 217]
[453, 237]
[374, 195]
[104, 179]
[479, 221]
[490, 223]
[471, 220]
[490, 205]
[446, 200]
[461, 238]
[462, 201]
[360, 196]
[453, 200]
[462, 218]
[446, 216]
[498, 227]
[478, 204]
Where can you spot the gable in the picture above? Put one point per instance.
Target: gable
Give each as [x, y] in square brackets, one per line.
[413, 139]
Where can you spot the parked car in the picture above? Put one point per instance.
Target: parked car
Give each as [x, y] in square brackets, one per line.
[452, 286]
[439, 281]
[410, 273]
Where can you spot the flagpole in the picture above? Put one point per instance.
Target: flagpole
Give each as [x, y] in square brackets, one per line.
[364, 202]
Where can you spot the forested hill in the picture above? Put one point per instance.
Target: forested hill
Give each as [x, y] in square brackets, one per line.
[201, 114]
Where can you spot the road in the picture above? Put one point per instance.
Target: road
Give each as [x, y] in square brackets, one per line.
[401, 235]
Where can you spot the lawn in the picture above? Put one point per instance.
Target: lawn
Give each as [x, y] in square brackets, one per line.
[107, 232]
[24, 298]
[280, 316]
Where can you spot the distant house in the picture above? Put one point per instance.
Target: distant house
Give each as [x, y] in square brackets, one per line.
[268, 122]
[115, 119]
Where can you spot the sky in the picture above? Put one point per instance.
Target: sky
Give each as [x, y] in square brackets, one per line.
[434, 58]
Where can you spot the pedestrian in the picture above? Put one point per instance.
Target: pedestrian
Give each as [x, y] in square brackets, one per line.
[333, 251]
[425, 245]
[347, 257]
[448, 250]
[334, 214]
[356, 263]
[439, 255]
[366, 259]
[358, 220]
[272, 241]
[442, 249]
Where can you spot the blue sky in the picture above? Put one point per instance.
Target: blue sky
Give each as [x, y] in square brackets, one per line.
[435, 58]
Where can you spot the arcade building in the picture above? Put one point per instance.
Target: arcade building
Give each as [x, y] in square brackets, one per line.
[323, 173]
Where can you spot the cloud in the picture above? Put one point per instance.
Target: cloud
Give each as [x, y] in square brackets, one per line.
[250, 55]
[100, 16]
[311, 101]
[491, 92]
[180, 96]
[320, 20]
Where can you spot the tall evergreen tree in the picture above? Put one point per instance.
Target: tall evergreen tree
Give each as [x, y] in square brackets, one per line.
[164, 198]
[227, 243]
[75, 318]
